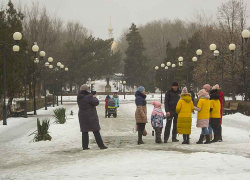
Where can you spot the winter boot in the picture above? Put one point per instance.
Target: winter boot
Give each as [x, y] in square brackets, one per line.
[188, 142]
[158, 135]
[220, 134]
[201, 139]
[174, 138]
[104, 147]
[215, 135]
[207, 139]
[140, 138]
[184, 139]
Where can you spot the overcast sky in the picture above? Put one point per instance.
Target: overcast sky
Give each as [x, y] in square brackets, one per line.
[95, 14]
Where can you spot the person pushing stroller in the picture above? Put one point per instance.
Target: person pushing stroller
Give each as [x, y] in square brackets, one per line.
[111, 108]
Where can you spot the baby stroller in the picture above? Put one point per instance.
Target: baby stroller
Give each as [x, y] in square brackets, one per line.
[111, 108]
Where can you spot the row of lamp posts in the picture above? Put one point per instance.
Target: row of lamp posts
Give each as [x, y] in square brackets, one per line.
[216, 53]
[164, 67]
[17, 36]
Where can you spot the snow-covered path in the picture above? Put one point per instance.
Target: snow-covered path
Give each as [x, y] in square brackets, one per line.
[63, 158]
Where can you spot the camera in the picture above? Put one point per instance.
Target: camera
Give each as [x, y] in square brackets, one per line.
[93, 92]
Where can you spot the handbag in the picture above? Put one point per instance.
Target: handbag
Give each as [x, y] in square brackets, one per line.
[144, 133]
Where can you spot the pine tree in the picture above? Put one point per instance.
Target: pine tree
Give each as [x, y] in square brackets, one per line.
[135, 68]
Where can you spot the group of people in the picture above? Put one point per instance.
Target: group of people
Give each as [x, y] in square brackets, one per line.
[179, 106]
[111, 101]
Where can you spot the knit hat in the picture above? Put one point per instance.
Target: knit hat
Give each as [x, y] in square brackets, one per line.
[175, 84]
[156, 104]
[216, 86]
[107, 97]
[202, 92]
[184, 90]
[84, 87]
[207, 87]
[140, 89]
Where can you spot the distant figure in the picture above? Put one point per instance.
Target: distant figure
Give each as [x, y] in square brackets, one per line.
[88, 117]
[192, 93]
[106, 105]
[117, 101]
[157, 117]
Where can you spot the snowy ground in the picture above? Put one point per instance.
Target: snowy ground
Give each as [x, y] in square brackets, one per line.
[63, 158]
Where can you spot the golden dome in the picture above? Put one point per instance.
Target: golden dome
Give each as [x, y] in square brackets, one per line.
[110, 28]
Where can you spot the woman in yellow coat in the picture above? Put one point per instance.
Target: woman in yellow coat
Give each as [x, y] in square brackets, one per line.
[184, 109]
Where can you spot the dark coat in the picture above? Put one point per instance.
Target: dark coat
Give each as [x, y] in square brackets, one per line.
[171, 99]
[87, 114]
[140, 99]
[214, 94]
[192, 95]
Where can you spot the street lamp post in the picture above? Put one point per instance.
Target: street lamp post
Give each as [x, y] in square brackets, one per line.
[45, 87]
[168, 66]
[157, 68]
[35, 49]
[25, 85]
[124, 83]
[180, 59]
[53, 96]
[57, 69]
[42, 55]
[17, 36]
[50, 60]
[66, 70]
[62, 68]
[245, 35]
[120, 86]
[212, 48]
[173, 66]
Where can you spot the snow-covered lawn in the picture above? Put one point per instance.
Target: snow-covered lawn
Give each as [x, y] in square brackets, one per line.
[63, 158]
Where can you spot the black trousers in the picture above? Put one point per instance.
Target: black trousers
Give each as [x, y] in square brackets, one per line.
[141, 126]
[173, 117]
[85, 139]
[220, 132]
[215, 123]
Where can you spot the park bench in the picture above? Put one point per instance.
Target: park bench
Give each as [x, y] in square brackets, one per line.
[16, 111]
[230, 107]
